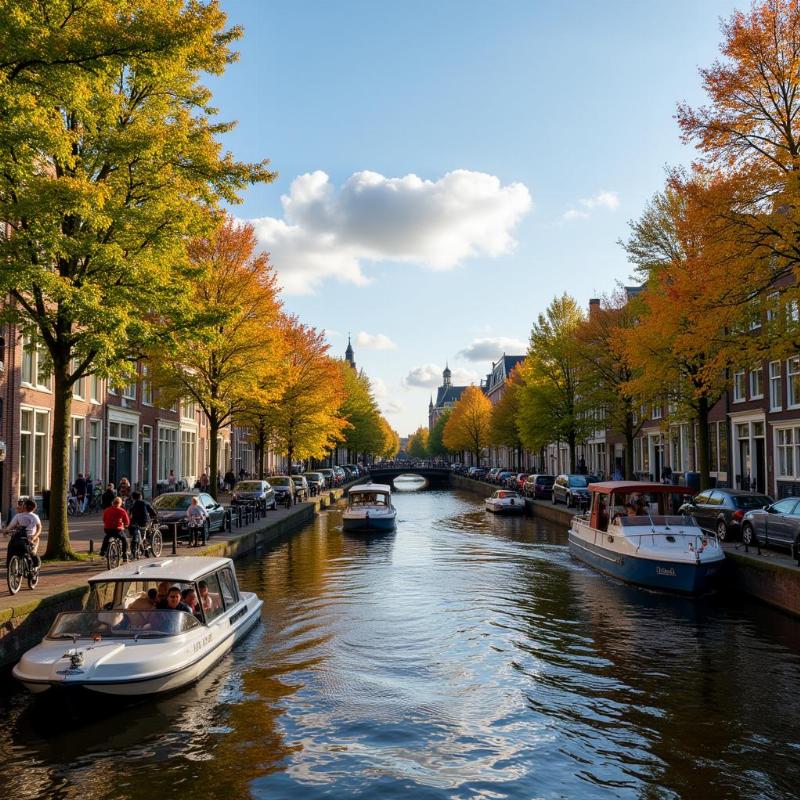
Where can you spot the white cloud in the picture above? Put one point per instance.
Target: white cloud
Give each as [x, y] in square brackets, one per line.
[327, 232]
[491, 348]
[379, 388]
[375, 341]
[382, 395]
[429, 376]
[604, 199]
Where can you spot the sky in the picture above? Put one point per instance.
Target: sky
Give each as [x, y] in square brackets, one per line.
[447, 167]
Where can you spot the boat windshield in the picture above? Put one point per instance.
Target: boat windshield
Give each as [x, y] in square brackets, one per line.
[121, 624]
[658, 520]
[368, 499]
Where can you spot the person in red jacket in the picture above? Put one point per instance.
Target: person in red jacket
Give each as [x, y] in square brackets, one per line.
[115, 521]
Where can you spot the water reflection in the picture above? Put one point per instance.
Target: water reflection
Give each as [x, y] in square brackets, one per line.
[409, 483]
[462, 656]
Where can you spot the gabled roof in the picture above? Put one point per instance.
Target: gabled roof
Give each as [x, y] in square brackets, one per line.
[448, 394]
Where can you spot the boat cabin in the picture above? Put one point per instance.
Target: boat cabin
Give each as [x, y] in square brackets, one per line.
[370, 494]
[632, 503]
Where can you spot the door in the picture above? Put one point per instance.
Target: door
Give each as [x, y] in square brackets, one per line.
[781, 522]
[119, 460]
[760, 466]
[745, 467]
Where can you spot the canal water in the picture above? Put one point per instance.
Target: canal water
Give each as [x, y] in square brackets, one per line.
[464, 656]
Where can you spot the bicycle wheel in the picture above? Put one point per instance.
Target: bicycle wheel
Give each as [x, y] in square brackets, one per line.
[72, 506]
[114, 553]
[15, 571]
[33, 575]
[156, 543]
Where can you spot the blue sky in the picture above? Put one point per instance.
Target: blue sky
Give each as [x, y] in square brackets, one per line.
[536, 131]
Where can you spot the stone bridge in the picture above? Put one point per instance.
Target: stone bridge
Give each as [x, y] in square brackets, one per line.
[434, 475]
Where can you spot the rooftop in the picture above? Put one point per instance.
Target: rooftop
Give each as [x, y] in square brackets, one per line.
[177, 568]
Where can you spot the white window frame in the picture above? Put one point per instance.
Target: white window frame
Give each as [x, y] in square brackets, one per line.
[775, 386]
[95, 389]
[739, 387]
[34, 353]
[147, 386]
[755, 393]
[94, 460]
[28, 482]
[791, 400]
[168, 452]
[785, 453]
[772, 306]
[77, 455]
[147, 455]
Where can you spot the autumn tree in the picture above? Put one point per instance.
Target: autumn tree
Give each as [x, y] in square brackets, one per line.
[552, 403]
[418, 443]
[231, 362]
[468, 426]
[436, 445]
[505, 414]
[363, 432]
[109, 158]
[391, 440]
[305, 417]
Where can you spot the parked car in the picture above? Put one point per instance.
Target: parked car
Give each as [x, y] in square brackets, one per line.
[316, 482]
[540, 487]
[340, 474]
[283, 486]
[171, 508]
[301, 490]
[492, 474]
[330, 477]
[519, 481]
[254, 492]
[775, 524]
[570, 489]
[723, 510]
[503, 476]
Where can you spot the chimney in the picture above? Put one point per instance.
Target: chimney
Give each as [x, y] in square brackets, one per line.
[594, 306]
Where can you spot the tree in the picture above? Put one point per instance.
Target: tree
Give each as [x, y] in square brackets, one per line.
[468, 426]
[231, 361]
[391, 440]
[552, 403]
[436, 445]
[363, 432]
[418, 443]
[109, 160]
[305, 418]
[505, 414]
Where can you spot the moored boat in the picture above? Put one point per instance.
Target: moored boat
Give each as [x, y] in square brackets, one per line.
[124, 643]
[505, 501]
[632, 533]
[369, 508]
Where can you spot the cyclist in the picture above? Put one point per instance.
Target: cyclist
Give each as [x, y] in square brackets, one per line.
[141, 513]
[115, 520]
[25, 528]
[79, 490]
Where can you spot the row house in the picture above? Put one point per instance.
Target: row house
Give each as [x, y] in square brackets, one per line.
[115, 433]
[493, 387]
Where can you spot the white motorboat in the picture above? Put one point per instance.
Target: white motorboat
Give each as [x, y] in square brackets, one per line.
[369, 508]
[505, 501]
[632, 533]
[121, 644]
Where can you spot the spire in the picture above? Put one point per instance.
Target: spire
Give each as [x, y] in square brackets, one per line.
[446, 375]
[430, 404]
[348, 354]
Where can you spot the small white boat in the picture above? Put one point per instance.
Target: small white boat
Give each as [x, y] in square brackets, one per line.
[120, 644]
[632, 533]
[369, 508]
[505, 501]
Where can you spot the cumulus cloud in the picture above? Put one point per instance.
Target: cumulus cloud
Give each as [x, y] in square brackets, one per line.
[606, 200]
[429, 376]
[375, 341]
[382, 395]
[491, 348]
[327, 232]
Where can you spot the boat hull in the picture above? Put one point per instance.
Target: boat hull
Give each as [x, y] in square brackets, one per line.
[167, 681]
[368, 524]
[517, 508]
[672, 576]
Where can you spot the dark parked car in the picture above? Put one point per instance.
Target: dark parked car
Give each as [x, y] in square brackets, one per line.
[300, 488]
[778, 523]
[539, 486]
[570, 489]
[340, 474]
[330, 477]
[253, 492]
[283, 485]
[172, 506]
[723, 510]
[316, 482]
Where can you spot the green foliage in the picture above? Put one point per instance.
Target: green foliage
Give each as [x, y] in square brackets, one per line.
[418, 443]
[364, 432]
[436, 445]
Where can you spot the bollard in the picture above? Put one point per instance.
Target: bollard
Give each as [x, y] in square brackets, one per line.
[91, 547]
[174, 539]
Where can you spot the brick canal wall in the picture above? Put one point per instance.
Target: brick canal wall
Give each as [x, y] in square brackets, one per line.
[772, 578]
[22, 626]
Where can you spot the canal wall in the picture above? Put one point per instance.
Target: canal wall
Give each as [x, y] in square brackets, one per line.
[24, 623]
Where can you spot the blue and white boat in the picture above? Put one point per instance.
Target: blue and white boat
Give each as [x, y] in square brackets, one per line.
[631, 533]
[369, 509]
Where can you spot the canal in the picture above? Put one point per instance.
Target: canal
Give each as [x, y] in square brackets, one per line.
[463, 656]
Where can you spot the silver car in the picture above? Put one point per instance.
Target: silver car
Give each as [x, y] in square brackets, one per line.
[254, 492]
[776, 524]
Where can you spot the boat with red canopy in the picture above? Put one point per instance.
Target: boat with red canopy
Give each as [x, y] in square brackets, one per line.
[633, 532]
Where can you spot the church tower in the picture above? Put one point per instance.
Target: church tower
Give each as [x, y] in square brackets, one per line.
[348, 354]
[446, 377]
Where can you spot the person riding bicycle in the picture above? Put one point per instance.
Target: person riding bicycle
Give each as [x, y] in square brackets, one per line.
[115, 520]
[141, 512]
[25, 529]
[196, 516]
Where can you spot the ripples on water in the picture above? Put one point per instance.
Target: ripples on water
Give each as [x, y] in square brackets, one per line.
[464, 656]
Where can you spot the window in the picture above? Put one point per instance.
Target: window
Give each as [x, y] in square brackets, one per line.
[95, 388]
[229, 593]
[213, 606]
[78, 386]
[655, 412]
[793, 381]
[95, 445]
[188, 453]
[188, 409]
[129, 390]
[757, 383]
[147, 445]
[738, 387]
[785, 506]
[76, 449]
[772, 306]
[35, 364]
[755, 316]
[167, 452]
[34, 436]
[775, 386]
[792, 311]
[783, 441]
[147, 387]
[723, 446]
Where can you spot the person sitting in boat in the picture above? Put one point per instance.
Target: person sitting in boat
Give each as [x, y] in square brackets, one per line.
[161, 593]
[631, 509]
[146, 601]
[189, 598]
[174, 601]
[206, 601]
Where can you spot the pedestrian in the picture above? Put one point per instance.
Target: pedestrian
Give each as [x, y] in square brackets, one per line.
[124, 488]
[242, 474]
[196, 517]
[204, 482]
[107, 498]
[171, 480]
[230, 480]
[79, 487]
[115, 521]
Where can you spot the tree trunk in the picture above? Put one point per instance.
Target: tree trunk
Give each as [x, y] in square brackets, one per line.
[629, 437]
[213, 455]
[58, 544]
[571, 441]
[262, 446]
[703, 443]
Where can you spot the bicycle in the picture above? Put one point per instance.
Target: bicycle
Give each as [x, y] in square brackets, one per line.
[23, 566]
[150, 542]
